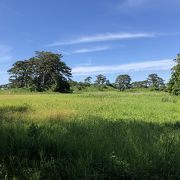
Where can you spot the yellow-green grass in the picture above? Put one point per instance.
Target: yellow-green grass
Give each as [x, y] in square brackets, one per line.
[115, 106]
[98, 135]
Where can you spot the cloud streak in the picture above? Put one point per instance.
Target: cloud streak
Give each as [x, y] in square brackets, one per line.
[166, 64]
[103, 37]
[88, 50]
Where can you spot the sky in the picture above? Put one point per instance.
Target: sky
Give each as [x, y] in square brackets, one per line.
[110, 37]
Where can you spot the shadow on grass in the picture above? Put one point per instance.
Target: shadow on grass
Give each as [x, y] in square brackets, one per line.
[7, 111]
[91, 149]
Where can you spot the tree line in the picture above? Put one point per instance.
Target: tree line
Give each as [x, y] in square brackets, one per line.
[122, 82]
[46, 71]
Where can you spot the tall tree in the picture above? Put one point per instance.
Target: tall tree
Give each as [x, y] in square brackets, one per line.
[174, 83]
[100, 79]
[42, 72]
[155, 82]
[87, 80]
[123, 82]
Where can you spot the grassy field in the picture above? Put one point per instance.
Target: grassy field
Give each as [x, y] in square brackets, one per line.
[98, 135]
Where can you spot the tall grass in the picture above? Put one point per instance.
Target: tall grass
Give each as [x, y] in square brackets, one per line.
[104, 135]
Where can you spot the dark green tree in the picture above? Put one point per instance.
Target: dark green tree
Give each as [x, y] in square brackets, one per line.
[100, 79]
[155, 82]
[174, 83]
[108, 82]
[87, 80]
[123, 82]
[20, 74]
[45, 71]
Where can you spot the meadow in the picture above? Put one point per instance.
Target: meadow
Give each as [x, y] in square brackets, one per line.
[91, 135]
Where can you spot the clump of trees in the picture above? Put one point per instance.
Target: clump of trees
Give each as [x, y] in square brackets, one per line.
[155, 82]
[174, 83]
[100, 83]
[44, 71]
[123, 82]
[88, 80]
[101, 80]
[140, 84]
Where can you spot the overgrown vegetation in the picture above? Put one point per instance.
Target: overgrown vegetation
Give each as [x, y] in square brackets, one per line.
[100, 135]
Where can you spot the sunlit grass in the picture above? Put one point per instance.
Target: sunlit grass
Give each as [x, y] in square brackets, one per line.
[149, 107]
[99, 135]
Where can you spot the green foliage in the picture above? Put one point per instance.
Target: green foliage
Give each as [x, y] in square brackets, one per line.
[81, 87]
[123, 82]
[174, 83]
[87, 80]
[43, 72]
[140, 84]
[155, 82]
[101, 80]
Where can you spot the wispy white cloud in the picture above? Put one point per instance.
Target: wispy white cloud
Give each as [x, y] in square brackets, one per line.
[103, 37]
[166, 64]
[87, 50]
[88, 63]
[5, 53]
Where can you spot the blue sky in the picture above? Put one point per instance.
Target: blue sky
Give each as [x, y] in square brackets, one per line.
[114, 37]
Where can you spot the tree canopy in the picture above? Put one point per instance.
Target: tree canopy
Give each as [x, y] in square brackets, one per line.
[87, 80]
[101, 79]
[155, 82]
[174, 83]
[140, 84]
[123, 82]
[44, 71]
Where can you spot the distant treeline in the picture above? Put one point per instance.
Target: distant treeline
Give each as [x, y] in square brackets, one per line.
[46, 71]
[123, 82]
